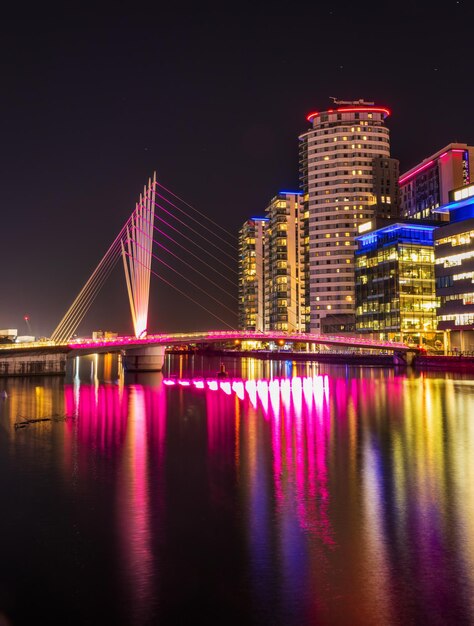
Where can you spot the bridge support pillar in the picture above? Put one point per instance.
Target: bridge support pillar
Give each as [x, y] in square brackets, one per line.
[405, 358]
[146, 359]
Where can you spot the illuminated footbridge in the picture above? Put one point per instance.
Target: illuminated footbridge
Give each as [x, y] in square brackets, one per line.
[134, 245]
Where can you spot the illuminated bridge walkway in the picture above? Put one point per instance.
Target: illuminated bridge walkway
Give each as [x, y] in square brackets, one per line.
[219, 337]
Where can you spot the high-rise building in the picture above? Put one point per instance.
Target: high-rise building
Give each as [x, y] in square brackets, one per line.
[251, 274]
[426, 186]
[284, 263]
[339, 156]
[454, 258]
[395, 281]
[386, 191]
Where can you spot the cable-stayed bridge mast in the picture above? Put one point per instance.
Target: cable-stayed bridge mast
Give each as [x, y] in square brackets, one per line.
[160, 217]
[136, 255]
[134, 244]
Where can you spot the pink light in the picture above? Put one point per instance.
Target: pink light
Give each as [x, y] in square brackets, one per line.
[418, 169]
[274, 389]
[184, 383]
[456, 150]
[169, 382]
[251, 389]
[238, 387]
[285, 390]
[308, 392]
[365, 110]
[262, 389]
[297, 395]
[226, 388]
[199, 384]
[310, 117]
[384, 110]
[212, 384]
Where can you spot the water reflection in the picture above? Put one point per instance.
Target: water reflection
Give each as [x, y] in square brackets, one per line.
[286, 494]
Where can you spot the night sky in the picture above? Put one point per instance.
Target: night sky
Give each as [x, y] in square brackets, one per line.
[92, 104]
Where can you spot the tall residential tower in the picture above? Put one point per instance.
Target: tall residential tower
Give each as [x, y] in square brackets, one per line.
[284, 263]
[252, 274]
[341, 174]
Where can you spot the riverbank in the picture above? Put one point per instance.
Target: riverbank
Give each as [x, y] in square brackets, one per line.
[447, 363]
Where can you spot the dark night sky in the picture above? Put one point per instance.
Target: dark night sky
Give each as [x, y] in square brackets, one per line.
[93, 104]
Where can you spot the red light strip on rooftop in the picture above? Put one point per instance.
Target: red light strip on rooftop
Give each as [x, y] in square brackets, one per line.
[386, 112]
[457, 150]
[425, 165]
[418, 169]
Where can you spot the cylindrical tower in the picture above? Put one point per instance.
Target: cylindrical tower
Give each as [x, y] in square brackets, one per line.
[337, 175]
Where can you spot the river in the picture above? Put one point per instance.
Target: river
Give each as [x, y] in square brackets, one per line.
[284, 494]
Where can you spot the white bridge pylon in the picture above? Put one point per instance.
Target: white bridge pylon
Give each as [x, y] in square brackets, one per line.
[136, 254]
[134, 244]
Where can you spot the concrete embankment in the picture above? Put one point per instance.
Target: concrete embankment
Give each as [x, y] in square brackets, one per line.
[47, 362]
[446, 363]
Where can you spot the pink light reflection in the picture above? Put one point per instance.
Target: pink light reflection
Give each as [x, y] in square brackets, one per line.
[133, 509]
[262, 390]
[238, 388]
[251, 389]
[226, 388]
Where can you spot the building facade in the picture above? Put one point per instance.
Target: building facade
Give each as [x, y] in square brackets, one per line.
[395, 283]
[426, 186]
[252, 274]
[337, 171]
[454, 258]
[284, 263]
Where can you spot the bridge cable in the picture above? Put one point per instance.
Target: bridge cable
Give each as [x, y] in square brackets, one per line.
[190, 298]
[88, 292]
[233, 296]
[294, 304]
[162, 232]
[227, 267]
[193, 218]
[196, 232]
[190, 281]
[232, 235]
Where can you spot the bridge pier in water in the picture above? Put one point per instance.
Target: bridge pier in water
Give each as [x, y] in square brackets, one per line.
[403, 358]
[144, 359]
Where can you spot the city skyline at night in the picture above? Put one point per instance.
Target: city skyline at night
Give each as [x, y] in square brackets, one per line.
[82, 134]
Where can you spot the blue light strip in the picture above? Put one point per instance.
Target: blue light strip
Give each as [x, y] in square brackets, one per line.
[393, 227]
[452, 206]
[291, 193]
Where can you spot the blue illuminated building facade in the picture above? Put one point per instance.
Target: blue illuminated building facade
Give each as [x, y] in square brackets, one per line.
[454, 270]
[395, 281]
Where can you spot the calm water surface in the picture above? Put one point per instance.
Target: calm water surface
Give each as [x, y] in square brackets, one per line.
[283, 495]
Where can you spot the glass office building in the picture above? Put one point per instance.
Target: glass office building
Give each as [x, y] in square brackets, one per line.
[395, 282]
